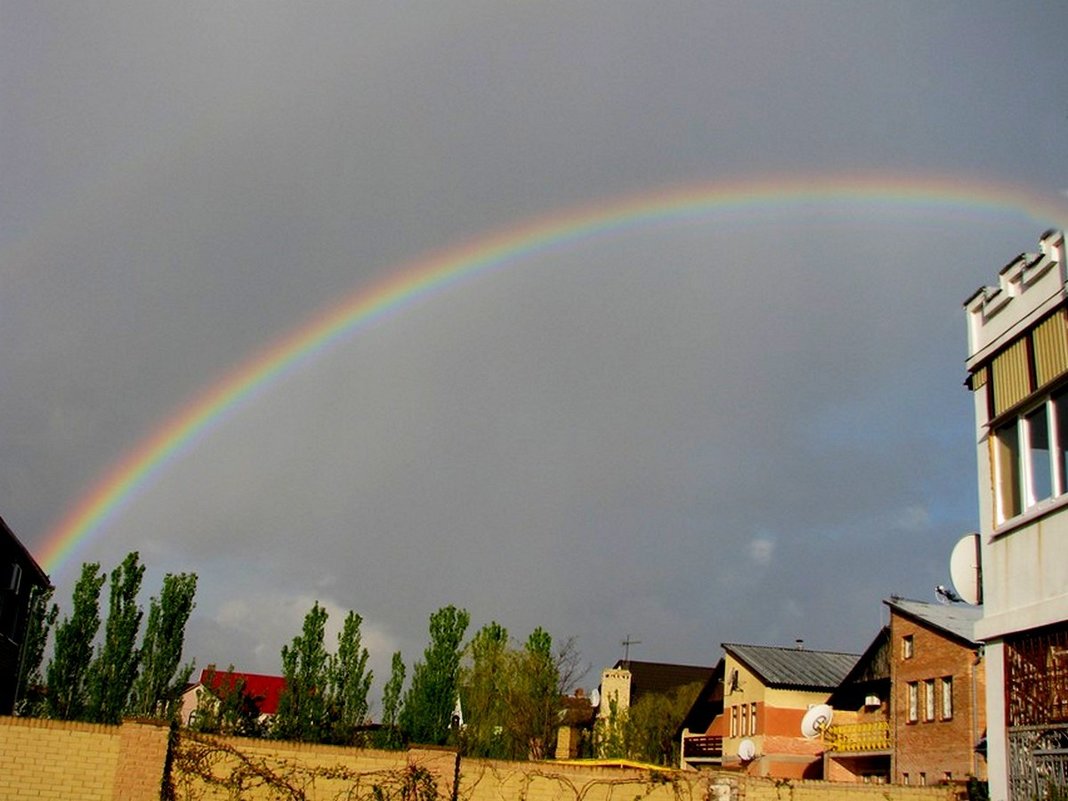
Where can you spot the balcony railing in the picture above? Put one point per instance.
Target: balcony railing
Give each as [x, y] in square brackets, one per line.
[872, 736]
[702, 746]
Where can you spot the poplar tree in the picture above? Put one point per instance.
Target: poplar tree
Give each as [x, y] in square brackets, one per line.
[69, 667]
[350, 682]
[157, 692]
[429, 703]
[112, 673]
[389, 735]
[306, 667]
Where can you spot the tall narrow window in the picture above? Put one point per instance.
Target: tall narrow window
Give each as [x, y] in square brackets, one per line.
[1039, 468]
[906, 647]
[929, 700]
[734, 721]
[752, 718]
[1007, 470]
[745, 720]
[947, 698]
[914, 702]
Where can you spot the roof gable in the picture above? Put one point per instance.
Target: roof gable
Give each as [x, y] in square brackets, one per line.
[662, 677]
[798, 668]
[956, 620]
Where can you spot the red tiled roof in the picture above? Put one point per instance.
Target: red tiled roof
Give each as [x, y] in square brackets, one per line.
[265, 690]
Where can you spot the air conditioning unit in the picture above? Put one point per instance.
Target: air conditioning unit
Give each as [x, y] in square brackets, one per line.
[14, 583]
[872, 700]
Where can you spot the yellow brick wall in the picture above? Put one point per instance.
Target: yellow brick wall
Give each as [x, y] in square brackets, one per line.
[46, 759]
[57, 761]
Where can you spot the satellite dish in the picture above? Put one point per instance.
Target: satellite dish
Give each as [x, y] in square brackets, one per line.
[746, 750]
[595, 697]
[965, 569]
[816, 720]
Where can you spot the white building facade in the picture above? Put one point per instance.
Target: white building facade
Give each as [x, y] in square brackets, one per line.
[1018, 373]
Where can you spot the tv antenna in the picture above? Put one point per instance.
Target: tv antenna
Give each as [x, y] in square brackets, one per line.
[627, 643]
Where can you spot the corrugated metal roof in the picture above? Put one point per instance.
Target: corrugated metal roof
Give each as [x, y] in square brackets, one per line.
[794, 667]
[956, 619]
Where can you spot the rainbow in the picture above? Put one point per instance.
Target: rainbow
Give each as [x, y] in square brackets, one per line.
[436, 272]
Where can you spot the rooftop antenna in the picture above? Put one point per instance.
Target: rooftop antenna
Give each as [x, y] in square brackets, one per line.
[627, 643]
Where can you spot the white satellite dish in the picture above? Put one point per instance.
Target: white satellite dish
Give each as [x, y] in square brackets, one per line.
[746, 750]
[595, 697]
[816, 720]
[965, 569]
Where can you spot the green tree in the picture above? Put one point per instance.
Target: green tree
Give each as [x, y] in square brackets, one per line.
[112, 673]
[389, 735]
[536, 703]
[157, 692]
[350, 682]
[29, 684]
[302, 709]
[486, 690]
[429, 703]
[68, 669]
[646, 731]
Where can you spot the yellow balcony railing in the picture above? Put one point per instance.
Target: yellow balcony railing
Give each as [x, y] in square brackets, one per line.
[872, 736]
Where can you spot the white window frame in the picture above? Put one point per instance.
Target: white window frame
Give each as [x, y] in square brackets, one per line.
[928, 700]
[1024, 465]
[913, 708]
[947, 698]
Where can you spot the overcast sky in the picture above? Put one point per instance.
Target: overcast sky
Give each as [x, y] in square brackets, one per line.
[745, 426]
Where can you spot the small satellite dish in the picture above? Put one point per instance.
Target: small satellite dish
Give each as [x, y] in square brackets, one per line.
[816, 720]
[746, 750]
[965, 569]
[595, 697]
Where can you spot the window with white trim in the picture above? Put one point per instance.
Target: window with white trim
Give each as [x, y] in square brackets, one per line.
[947, 698]
[1030, 453]
[929, 699]
[914, 702]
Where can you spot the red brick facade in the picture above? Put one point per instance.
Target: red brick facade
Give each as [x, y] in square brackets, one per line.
[937, 712]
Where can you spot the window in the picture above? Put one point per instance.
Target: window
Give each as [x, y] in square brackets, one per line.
[752, 718]
[947, 698]
[929, 700]
[745, 719]
[947, 777]
[1031, 456]
[914, 702]
[734, 721]
[907, 647]
[904, 778]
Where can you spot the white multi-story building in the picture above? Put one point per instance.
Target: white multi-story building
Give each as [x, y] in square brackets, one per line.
[1018, 373]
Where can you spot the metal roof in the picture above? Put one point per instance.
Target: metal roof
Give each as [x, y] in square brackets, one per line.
[956, 619]
[794, 667]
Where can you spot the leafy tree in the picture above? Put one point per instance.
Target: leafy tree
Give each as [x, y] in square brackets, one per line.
[537, 702]
[389, 735]
[350, 681]
[112, 673]
[69, 667]
[486, 690]
[29, 684]
[646, 731]
[302, 709]
[431, 698]
[157, 692]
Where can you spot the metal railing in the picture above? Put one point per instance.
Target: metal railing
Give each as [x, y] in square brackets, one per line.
[702, 746]
[871, 736]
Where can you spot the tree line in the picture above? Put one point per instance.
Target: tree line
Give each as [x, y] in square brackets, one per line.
[128, 672]
[490, 696]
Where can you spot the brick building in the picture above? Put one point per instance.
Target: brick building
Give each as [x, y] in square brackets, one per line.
[937, 708]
